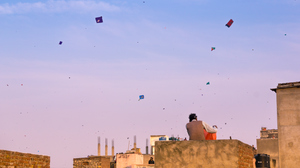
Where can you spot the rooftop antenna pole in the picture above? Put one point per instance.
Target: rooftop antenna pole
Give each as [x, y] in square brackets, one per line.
[105, 146]
[146, 146]
[112, 147]
[99, 152]
[134, 142]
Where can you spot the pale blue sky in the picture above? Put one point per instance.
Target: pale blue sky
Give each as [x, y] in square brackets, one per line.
[160, 49]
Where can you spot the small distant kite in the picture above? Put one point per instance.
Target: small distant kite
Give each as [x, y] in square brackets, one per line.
[60, 43]
[141, 97]
[213, 48]
[229, 23]
[207, 83]
[99, 19]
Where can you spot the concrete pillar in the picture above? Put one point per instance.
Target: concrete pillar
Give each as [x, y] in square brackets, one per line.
[152, 150]
[288, 121]
[106, 147]
[99, 152]
[112, 148]
[134, 142]
[147, 147]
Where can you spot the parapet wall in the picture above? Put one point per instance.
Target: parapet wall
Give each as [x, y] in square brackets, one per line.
[10, 159]
[92, 162]
[203, 154]
[128, 159]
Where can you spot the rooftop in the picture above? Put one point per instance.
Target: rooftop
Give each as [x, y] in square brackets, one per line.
[287, 85]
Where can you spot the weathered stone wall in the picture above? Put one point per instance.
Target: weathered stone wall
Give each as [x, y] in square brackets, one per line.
[203, 154]
[141, 166]
[92, 162]
[128, 159]
[288, 119]
[270, 147]
[10, 159]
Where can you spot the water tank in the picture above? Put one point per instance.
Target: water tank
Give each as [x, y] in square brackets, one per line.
[262, 161]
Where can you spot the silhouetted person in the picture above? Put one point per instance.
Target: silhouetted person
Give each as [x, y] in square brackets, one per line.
[151, 161]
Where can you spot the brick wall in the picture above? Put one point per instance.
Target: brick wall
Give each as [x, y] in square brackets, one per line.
[10, 159]
[246, 155]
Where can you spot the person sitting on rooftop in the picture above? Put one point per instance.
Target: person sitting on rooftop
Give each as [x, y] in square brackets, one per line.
[151, 161]
[200, 130]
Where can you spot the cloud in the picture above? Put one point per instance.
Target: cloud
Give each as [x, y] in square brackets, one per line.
[57, 7]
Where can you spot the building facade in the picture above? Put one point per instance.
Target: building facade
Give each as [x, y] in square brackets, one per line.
[268, 144]
[288, 121]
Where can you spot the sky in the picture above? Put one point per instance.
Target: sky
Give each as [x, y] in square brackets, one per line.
[55, 100]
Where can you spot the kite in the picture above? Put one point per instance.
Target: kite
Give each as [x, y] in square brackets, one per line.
[229, 23]
[60, 43]
[99, 19]
[141, 97]
[213, 48]
[207, 83]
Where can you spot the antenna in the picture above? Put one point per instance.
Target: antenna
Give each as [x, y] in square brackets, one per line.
[112, 147]
[134, 142]
[105, 146]
[99, 151]
[146, 146]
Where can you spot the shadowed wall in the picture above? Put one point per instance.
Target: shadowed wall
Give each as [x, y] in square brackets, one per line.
[203, 154]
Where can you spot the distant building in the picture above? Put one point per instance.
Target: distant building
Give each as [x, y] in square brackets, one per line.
[283, 145]
[134, 158]
[99, 161]
[154, 138]
[131, 159]
[267, 134]
[93, 162]
[268, 144]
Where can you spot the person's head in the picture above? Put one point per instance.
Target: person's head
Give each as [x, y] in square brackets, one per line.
[192, 116]
[151, 158]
